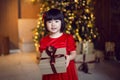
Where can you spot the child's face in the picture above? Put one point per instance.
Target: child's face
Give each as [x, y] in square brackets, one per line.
[54, 26]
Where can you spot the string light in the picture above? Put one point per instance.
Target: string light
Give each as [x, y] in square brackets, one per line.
[79, 19]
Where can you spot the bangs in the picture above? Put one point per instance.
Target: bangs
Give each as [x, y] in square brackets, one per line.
[53, 16]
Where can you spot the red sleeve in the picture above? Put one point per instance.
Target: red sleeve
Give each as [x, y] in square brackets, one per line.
[71, 46]
[43, 43]
[41, 46]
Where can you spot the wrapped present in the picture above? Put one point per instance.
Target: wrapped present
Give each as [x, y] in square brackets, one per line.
[53, 62]
[86, 58]
[109, 46]
[85, 62]
[79, 47]
[88, 47]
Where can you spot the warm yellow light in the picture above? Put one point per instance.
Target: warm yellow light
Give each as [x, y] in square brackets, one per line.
[36, 33]
[64, 10]
[88, 1]
[76, 0]
[42, 33]
[90, 24]
[36, 44]
[40, 18]
[52, 6]
[77, 30]
[95, 36]
[78, 36]
[83, 28]
[84, 17]
[69, 27]
[87, 10]
[36, 37]
[70, 22]
[37, 26]
[32, 1]
[42, 24]
[89, 40]
[38, 22]
[67, 32]
[92, 15]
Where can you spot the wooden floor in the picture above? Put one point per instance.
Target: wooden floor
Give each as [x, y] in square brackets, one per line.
[106, 70]
[23, 66]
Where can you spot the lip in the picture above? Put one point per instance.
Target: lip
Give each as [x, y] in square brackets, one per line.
[53, 28]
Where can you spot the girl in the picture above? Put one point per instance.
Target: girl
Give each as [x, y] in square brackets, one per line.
[54, 24]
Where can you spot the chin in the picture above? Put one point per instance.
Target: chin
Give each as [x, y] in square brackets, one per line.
[53, 31]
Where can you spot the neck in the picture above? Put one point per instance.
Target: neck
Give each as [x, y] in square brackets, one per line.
[56, 35]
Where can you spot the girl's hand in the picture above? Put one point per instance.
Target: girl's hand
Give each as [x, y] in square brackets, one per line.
[67, 60]
[70, 57]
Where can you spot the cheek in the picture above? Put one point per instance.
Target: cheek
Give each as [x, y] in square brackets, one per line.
[48, 25]
[48, 28]
[60, 25]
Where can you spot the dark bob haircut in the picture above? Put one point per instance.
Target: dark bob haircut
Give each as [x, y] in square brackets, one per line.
[56, 15]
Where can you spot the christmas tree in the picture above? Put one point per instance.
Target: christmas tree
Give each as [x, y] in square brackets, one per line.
[79, 18]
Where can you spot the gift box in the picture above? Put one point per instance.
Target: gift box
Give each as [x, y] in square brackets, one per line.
[59, 66]
[88, 47]
[109, 46]
[89, 59]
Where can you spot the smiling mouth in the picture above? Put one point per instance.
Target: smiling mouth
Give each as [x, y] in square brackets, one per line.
[53, 28]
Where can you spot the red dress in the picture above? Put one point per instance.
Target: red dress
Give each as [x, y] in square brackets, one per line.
[66, 40]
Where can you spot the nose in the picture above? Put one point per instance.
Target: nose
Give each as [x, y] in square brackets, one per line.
[53, 22]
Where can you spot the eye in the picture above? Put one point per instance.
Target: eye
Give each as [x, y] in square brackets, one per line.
[49, 21]
[57, 21]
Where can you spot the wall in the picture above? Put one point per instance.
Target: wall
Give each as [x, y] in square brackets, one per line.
[11, 11]
[29, 9]
[108, 21]
[8, 21]
[25, 30]
[102, 14]
[115, 20]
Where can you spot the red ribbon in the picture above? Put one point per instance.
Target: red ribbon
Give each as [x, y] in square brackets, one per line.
[52, 65]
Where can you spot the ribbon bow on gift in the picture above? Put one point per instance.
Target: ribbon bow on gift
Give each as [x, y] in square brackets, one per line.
[50, 50]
